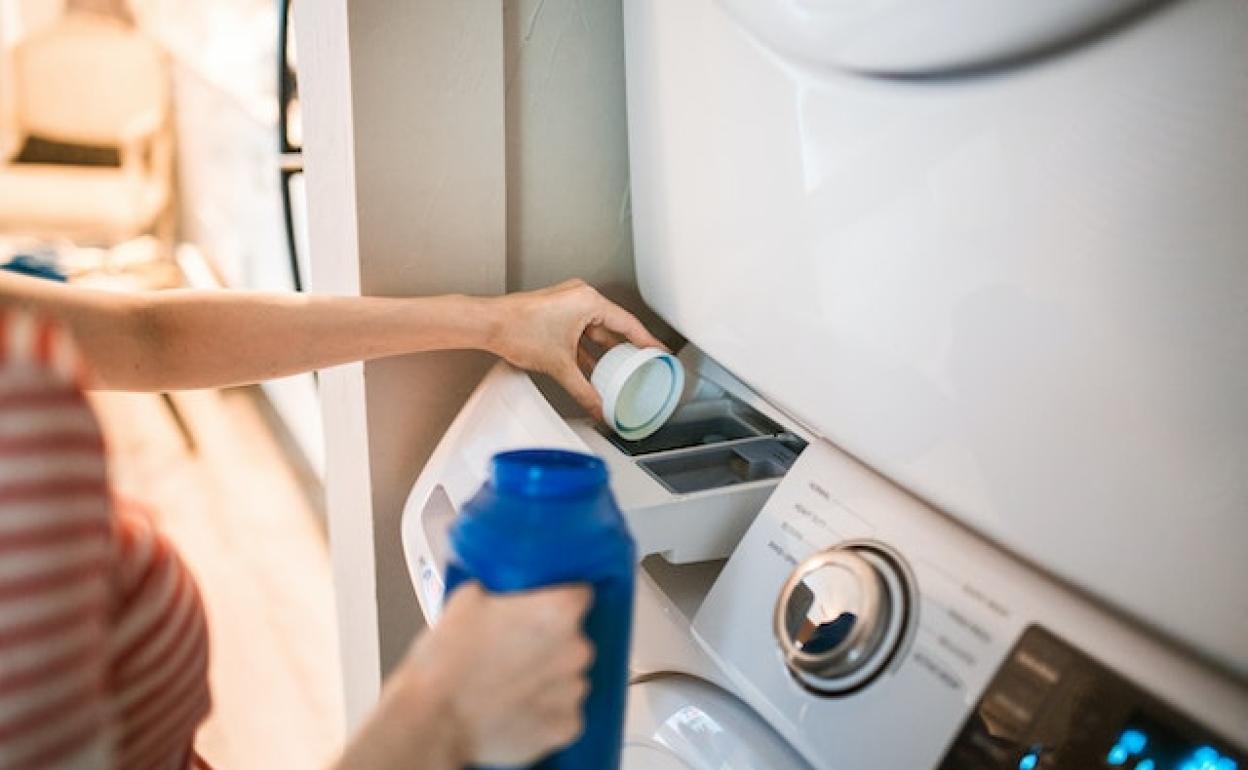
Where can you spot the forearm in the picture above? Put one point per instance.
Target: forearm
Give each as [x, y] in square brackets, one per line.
[173, 340]
[409, 729]
[206, 339]
[196, 339]
[105, 325]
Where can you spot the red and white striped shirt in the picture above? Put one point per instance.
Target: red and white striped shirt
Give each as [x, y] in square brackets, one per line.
[103, 644]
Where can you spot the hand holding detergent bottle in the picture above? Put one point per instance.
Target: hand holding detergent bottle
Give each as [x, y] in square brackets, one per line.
[544, 518]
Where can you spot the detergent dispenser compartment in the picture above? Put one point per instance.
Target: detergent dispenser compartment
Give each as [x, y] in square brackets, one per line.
[712, 443]
[690, 490]
[700, 423]
[722, 466]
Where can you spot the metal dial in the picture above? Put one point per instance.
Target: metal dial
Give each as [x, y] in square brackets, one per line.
[840, 616]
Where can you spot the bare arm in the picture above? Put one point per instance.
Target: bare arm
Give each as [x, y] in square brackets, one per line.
[460, 699]
[190, 339]
[173, 340]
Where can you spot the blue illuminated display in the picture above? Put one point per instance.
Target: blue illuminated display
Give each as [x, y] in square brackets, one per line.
[1130, 743]
[1148, 745]
[1029, 761]
[1207, 758]
[1133, 741]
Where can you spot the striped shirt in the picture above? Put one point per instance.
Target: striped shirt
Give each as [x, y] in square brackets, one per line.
[103, 644]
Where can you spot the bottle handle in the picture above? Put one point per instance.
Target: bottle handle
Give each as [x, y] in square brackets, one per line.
[433, 544]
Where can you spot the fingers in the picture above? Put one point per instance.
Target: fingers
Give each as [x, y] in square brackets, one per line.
[582, 655]
[565, 728]
[557, 607]
[571, 283]
[565, 697]
[614, 318]
[620, 321]
[515, 702]
[566, 664]
[602, 336]
[595, 342]
[585, 361]
[573, 381]
[559, 331]
[571, 601]
[467, 594]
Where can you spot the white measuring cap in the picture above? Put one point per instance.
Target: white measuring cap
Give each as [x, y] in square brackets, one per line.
[640, 388]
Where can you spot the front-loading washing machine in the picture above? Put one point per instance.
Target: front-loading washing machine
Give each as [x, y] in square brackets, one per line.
[959, 477]
[689, 493]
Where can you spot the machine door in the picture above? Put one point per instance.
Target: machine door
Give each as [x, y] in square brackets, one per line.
[926, 37]
[681, 723]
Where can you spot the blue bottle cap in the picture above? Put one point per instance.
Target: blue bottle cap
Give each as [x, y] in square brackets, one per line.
[547, 473]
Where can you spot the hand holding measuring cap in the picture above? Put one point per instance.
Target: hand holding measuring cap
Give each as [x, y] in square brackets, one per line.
[548, 330]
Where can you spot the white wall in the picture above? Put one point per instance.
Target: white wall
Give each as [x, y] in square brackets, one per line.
[567, 151]
[451, 145]
[568, 202]
[403, 124]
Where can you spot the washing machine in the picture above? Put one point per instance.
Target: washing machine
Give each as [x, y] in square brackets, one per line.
[959, 477]
[689, 493]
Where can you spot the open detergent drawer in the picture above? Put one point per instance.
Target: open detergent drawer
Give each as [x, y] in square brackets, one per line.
[688, 492]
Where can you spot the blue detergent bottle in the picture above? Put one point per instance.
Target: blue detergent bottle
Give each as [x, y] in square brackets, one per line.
[547, 517]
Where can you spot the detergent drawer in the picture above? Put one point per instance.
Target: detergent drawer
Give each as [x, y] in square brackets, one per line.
[688, 492]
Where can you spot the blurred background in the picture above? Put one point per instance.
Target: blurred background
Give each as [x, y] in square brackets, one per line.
[155, 144]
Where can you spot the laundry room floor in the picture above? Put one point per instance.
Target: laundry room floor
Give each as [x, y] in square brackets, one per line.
[249, 521]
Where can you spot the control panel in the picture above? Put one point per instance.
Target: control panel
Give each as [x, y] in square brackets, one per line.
[873, 631]
[1052, 706]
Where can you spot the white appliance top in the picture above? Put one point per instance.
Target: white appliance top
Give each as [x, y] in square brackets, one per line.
[1022, 297]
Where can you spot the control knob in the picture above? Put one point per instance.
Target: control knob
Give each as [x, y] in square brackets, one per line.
[842, 615]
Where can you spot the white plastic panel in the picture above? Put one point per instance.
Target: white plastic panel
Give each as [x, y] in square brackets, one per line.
[919, 37]
[505, 412]
[1020, 296]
